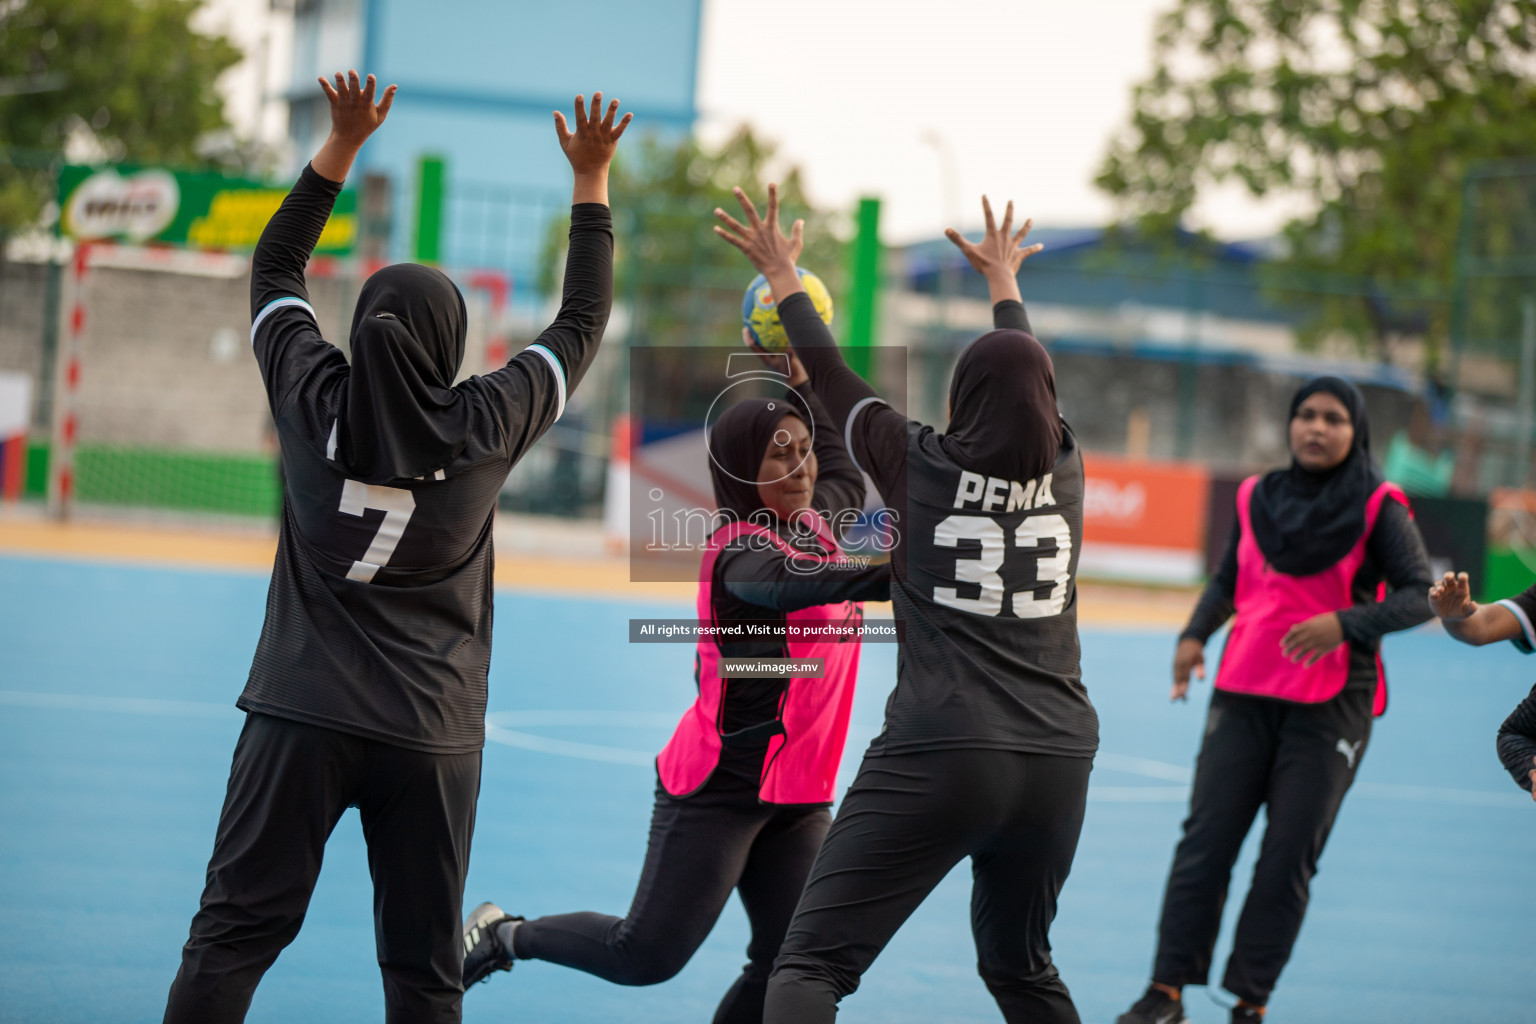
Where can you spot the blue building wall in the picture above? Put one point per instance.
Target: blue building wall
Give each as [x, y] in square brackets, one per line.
[478, 80]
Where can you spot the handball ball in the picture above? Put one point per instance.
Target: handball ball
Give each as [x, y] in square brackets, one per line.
[760, 312]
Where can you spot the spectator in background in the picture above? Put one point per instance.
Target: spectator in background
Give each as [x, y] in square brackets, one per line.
[1314, 549]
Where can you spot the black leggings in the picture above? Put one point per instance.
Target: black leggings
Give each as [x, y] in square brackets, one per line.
[288, 786]
[1299, 761]
[906, 821]
[701, 847]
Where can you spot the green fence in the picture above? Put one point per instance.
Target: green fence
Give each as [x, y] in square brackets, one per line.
[167, 479]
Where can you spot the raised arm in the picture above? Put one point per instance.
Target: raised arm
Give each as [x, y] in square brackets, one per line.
[874, 433]
[529, 393]
[277, 266]
[284, 335]
[997, 258]
[586, 297]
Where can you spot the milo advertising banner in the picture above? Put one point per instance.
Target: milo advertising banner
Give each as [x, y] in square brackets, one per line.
[196, 211]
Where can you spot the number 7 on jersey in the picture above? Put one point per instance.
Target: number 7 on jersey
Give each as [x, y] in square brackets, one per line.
[397, 505]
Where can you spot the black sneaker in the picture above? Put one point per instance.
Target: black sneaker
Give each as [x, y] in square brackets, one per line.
[1156, 1007]
[484, 952]
[1246, 1015]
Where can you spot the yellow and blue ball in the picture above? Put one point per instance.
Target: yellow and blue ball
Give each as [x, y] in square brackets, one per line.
[760, 311]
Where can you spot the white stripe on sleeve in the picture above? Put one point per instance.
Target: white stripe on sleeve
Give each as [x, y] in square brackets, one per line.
[276, 304]
[853, 414]
[1525, 622]
[559, 371]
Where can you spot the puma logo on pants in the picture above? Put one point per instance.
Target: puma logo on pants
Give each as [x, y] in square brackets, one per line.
[1350, 751]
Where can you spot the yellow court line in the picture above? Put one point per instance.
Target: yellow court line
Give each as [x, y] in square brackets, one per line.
[153, 545]
[1099, 604]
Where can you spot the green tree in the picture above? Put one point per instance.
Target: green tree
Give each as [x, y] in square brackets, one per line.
[1374, 109]
[683, 284]
[132, 75]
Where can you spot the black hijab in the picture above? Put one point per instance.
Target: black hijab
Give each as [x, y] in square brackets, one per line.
[1303, 521]
[401, 417]
[1003, 420]
[737, 443]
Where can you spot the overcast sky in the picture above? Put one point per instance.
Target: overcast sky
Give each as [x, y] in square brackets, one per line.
[874, 97]
[1023, 94]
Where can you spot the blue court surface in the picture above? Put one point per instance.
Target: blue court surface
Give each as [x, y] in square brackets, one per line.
[117, 724]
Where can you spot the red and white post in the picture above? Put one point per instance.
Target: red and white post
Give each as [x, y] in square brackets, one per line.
[61, 461]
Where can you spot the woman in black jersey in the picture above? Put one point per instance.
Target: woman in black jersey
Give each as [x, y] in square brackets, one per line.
[1510, 619]
[368, 686]
[743, 787]
[989, 734]
[1313, 551]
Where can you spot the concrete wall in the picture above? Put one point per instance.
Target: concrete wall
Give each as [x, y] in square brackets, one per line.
[21, 320]
[165, 357]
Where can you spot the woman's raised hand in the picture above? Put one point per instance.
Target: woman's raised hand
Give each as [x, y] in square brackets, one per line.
[776, 361]
[354, 115]
[998, 251]
[1188, 657]
[764, 243]
[1451, 597]
[590, 147]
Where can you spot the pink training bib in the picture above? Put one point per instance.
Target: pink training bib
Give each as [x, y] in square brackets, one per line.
[1270, 602]
[801, 763]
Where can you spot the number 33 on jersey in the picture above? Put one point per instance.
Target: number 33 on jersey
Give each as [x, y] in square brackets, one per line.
[1013, 555]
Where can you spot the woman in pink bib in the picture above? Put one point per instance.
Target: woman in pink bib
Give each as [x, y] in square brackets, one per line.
[1324, 560]
[744, 785]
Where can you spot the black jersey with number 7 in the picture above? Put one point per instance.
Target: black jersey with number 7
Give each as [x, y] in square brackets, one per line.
[378, 616]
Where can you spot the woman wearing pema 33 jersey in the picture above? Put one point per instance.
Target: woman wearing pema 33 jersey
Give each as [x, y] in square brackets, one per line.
[989, 734]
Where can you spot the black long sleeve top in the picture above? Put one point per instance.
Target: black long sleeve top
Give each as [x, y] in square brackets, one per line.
[378, 615]
[758, 579]
[968, 675]
[1517, 741]
[1394, 552]
[1517, 736]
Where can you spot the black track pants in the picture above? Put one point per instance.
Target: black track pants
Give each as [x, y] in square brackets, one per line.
[906, 821]
[288, 786]
[1298, 760]
[701, 847]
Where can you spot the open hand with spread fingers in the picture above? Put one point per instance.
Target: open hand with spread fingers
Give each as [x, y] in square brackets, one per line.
[354, 117]
[764, 243]
[1000, 253]
[590, 147]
